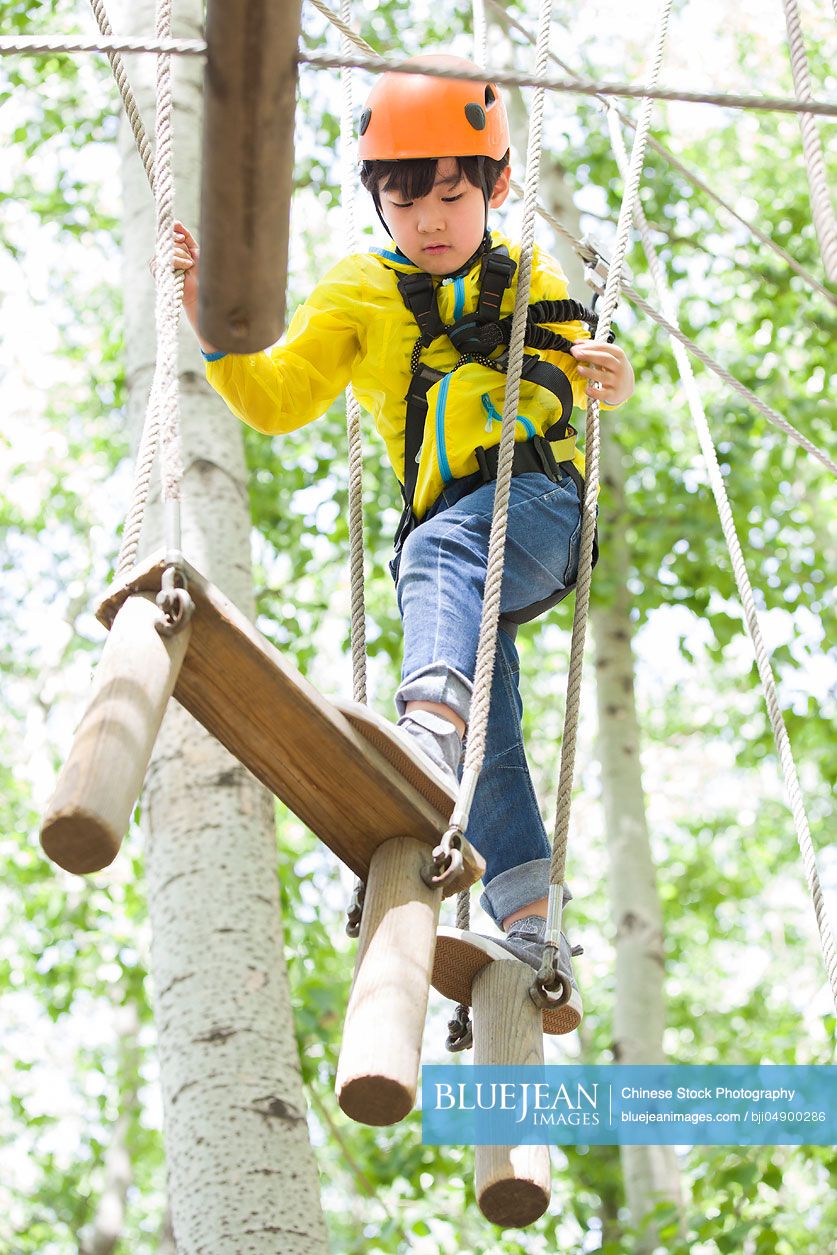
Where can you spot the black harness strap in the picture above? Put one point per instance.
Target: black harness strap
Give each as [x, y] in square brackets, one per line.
[419, 295]
[496, 273]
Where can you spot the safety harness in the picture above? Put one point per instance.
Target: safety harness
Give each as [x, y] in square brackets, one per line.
[475, 336]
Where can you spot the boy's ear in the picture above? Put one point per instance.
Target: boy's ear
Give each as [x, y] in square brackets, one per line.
[501, 189]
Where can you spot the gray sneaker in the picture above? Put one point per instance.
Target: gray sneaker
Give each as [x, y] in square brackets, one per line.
[526, 939]
[461, 956]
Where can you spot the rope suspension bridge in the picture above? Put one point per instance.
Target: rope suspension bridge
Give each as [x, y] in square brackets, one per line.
[400, 829]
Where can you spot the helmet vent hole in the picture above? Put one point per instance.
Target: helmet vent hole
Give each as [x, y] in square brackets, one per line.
[476, 116]
[490, 95]
[365, 119]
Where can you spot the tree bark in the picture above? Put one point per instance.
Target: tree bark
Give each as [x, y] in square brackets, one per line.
[241, 1171]
[650, 1172]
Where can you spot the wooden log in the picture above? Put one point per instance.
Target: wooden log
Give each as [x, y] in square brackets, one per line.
[377, 1073]
[355, 789]
[98, 788]
[247, 171]
[512, 1183]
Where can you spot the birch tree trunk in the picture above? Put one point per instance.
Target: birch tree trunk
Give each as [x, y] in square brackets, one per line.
[650, 1172]
[241, 1172]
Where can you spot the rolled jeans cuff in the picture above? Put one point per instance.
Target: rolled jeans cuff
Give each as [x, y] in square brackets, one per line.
[517, 887]
[436, 683]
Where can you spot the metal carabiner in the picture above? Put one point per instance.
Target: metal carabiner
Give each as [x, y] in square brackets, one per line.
[173, 601]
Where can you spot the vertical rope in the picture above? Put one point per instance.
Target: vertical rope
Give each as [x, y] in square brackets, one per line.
[821, 206]
[742, 579]
[353, 434]
[130, 104]
[481, 31]
[591, 452]
[487, 647]
[161, 420]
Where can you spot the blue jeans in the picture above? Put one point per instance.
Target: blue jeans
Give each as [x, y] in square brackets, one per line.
[440, 579]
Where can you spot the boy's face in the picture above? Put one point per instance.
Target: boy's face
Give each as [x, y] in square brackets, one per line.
[440, 231]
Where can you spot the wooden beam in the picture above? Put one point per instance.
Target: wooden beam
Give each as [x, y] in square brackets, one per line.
[247, 171]
[377, 1073]
[97, 790]
[353, 793]
[512, 1183]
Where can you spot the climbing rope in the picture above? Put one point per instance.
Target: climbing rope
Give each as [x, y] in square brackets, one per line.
[742, 579]
[676, 164]
[353, 430]
[356, 542]
[591, 258]
[49, 45]
[160, 426]
[550, 987]
[820, 199]
[582, 87]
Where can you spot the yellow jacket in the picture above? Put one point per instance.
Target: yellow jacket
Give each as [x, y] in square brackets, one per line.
[355, 328]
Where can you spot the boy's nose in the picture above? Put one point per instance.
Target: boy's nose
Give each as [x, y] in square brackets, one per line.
[431, 220]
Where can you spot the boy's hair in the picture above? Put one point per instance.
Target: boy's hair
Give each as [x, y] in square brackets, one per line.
[414, 177]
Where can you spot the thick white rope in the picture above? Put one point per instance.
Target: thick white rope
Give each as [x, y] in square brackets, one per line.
[821, 206]
[128, 99]
[745, 591]
[580, 87]
[161, 419]
[489, 625]
[591, 454]
[480, 31]
[45, 45]
[353, 432]
[586, 253]
[681, 167]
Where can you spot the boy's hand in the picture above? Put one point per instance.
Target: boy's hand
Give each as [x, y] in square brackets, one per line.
[186, 257]
[608, 369]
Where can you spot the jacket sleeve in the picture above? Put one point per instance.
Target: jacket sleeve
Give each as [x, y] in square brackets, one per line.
[295, 381]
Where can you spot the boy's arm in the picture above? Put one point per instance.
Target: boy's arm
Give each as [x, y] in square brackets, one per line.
[295, 381]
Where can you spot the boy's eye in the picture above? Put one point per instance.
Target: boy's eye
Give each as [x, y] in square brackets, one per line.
[450, 199]
[398, 204]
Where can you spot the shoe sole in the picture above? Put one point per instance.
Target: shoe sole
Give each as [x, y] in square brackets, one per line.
[460, 956]
[400, 749]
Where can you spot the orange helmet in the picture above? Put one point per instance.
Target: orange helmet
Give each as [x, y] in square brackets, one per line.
[416, 115]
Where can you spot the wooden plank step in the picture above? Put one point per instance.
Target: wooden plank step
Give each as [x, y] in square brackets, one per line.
[342, 769]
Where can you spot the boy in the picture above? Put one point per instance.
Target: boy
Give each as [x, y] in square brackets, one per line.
[424, 320]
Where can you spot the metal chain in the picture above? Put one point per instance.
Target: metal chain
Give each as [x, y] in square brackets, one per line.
[742, 579]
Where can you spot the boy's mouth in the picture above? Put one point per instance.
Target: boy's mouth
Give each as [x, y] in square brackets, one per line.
[435, 248]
